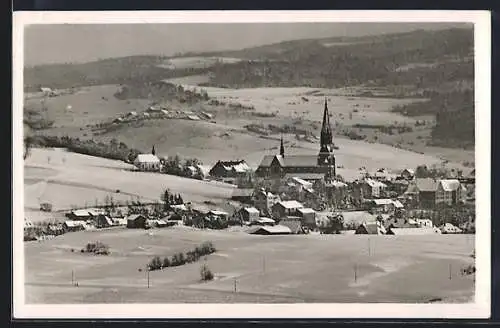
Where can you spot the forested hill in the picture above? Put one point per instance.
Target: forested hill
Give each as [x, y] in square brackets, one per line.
[436, 64]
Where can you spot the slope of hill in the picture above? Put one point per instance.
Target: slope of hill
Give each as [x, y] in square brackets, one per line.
[430, 64]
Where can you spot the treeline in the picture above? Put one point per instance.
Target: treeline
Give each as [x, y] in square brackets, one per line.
[312, 64]
[134, 69]
[178, 259]
[388, 129]
[112, 150]
[160, 91]
[454, 112]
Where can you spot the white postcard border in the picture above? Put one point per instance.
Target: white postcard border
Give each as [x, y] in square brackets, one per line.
[479, 309]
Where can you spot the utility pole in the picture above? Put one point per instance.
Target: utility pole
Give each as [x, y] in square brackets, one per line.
[449, 270]
[264, 264]
[72, 277]
[147, 274]
[235, 285]
[355, 273]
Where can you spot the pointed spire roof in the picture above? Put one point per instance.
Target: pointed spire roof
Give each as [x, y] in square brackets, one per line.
[326, 129]
[153, 151]
[282, 147]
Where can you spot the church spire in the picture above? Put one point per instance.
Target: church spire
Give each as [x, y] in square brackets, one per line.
[282, 147]
[326, 129]
[153, 151]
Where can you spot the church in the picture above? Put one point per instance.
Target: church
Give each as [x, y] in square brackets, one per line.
[306, 167]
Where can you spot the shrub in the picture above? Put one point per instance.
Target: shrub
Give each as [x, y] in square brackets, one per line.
[97, 248]
[155, 264]
[166, 262]
[206, 274]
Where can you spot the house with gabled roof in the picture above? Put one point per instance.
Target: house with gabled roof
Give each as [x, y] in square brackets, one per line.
[429, 192]
[230, 171]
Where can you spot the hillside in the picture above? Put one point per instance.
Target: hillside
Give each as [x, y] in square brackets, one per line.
[433, 65]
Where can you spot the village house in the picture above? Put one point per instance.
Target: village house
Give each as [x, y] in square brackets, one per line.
[103, 221]
[230, 171]
[270, 230]
[353, 219]
[147, 163]
[294, 223]
[424, 223]
[371, 228]
[383, 205]
[413, 231]
[449, 228]
[408, 174]
[308, 217]
[450, 192]
[285, 208]
[247, 214]
[400, 222]
[83, 215]
[137, 221]
[72, 226]
[264, 201]
[368, 188]
[428, 192]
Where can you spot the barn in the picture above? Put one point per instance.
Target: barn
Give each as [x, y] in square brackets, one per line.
[270, 230]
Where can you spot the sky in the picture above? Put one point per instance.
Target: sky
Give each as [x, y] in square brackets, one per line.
[65, 43]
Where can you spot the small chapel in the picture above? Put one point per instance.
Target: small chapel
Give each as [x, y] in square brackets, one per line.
[306, 167]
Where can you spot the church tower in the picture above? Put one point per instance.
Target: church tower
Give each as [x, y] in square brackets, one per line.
[326, 156]
[153, 151]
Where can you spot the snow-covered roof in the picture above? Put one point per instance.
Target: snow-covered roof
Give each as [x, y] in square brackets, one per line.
[374, 183]
[301, 181]
[272, 229]
[181, 207]
[306, 210]
[252, 210]
[265, 220]
[72, 224]
[218, 213]
[193, 117]
[290, 204]
[450, 184]
[147, 158]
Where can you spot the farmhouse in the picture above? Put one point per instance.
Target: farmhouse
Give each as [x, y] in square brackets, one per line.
[449, 228]
[408, 174]
[425, 223]
[384, 206]
[103, 221]
[308, 217]
[72, 226]
[270, 230]
[248, 214]
[353, 219]
[230, 171]
[369, 188]
[264, 201]
[147, 162]
[285, 208]
[413, 231]
[83, 215]
[136, 221]
[429, 192]
[293, 223]
[371, 228]
[323, 163]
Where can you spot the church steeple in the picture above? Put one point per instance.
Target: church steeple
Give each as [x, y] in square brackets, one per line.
[282, 147]
[326, 137]
[153, 151]
[326, 158]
